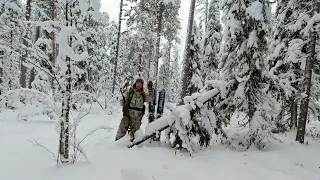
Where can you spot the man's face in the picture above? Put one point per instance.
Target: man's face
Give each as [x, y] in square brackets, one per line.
[138, 85]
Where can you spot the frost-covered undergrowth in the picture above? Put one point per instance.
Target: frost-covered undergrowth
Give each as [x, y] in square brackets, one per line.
[108, 160]
[32, 105]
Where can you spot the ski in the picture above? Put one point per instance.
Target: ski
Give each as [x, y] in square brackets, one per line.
[160, 107]
[152, 104]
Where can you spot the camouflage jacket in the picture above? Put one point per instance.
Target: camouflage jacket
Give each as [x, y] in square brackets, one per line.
[137, 97]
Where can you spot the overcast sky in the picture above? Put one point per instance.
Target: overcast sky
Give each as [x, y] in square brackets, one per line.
[112, 8]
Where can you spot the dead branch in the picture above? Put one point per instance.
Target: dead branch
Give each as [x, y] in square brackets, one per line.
[35, 142]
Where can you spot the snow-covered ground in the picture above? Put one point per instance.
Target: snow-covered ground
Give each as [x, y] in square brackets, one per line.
[21, 160]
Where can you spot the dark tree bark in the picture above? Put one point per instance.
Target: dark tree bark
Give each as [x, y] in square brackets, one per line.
[307, 86]
[294, 113]
[117, 48]
[23, 68]
[186, 68]
[159, 29]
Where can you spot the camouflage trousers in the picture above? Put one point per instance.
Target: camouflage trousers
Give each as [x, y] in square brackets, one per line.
[124, 126]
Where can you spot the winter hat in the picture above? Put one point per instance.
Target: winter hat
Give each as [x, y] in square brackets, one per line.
[140, 80]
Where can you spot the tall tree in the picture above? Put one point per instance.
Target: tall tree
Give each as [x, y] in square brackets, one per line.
[285, 60]
[11, 33]
[212, 42]
[153, 19]
[310, 32]
[23, 68]
[186, 59]
[243, 64]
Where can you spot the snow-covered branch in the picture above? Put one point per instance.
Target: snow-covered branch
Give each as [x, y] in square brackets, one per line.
[13, 99]
[181, 116]
[79, 96]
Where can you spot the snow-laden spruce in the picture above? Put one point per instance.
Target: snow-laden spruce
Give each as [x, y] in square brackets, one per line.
[242, 64]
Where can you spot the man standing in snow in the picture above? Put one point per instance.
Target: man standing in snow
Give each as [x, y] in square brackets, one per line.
[133, 109]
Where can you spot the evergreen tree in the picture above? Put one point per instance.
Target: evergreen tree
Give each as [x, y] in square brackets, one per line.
[243, 64]
[308, 26]
[285, 61]
[212, 41]
[11, 33]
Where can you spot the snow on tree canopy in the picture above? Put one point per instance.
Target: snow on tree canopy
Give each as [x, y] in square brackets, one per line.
[95, 4]
[255, 10]
[65, 49]
[171, 1]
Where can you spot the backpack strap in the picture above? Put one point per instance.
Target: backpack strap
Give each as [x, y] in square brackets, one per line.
[130, 95]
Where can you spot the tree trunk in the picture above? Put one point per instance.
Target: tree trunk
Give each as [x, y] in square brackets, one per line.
[294, 113]
[1, 70]
[307, 85]
[23, 68]
[64, 131]
[117, 48]
[53, 43]
[186, 72]
[140, 65]
[33, 71]
[159, 29]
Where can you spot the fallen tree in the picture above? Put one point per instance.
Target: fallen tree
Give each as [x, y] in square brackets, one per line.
[181, 116]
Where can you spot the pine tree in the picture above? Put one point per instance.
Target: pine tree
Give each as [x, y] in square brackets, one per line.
[310, 34]
[152, 20]
[11, 33]
[212, 41]
[174, 87]
[165, 70]
[186, 63]
[285, 61]
[243, 64]
[196, 82]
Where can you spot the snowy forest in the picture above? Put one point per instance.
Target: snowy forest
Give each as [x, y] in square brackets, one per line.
[248, 77]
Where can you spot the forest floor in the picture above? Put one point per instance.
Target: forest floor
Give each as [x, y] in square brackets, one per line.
[20, 159]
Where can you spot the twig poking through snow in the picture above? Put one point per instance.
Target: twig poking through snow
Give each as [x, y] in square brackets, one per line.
[93, 131]
[34, 142]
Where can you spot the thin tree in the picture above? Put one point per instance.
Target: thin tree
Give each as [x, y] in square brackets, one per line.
[186, 59]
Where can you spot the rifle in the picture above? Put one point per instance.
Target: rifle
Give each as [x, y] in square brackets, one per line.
[125, 110]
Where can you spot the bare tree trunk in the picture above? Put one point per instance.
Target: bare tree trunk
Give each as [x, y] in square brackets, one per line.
[23, 68]
[64, 131]
[294, 113]
[186, 59]
[159, 29]
[307, 85]
[53, 43]
[32, 70]
[1, 75]
[140, 64]
[117, 48]
[11, 64]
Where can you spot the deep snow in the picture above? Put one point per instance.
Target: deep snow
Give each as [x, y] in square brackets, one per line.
[21, 160]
